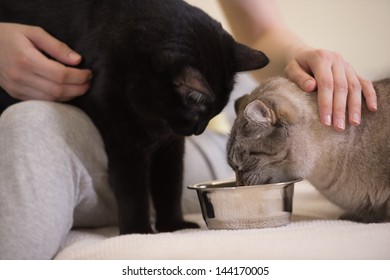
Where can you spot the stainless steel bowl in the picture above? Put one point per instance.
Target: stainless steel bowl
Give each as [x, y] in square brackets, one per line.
[227, 206]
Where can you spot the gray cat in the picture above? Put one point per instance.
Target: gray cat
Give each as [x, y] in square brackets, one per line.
[277, 136]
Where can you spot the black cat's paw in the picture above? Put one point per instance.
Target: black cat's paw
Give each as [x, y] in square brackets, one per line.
[174, 225]
[142, 229]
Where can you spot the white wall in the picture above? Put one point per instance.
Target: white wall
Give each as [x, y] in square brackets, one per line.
[358, 29]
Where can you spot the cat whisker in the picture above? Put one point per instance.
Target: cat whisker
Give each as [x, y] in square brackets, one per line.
[267, 163]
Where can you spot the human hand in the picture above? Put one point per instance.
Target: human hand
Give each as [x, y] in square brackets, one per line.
[338, 86]
[26, 73]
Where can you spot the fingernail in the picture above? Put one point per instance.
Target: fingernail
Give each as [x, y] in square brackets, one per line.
[328, 120]
[74, 56]
[356, 118]
[307, 85]
[340, 123]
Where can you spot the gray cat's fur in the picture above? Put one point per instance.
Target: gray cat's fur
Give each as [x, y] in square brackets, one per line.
[277, 136]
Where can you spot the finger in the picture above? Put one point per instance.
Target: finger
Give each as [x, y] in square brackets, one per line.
[325, 101]
[67, 93]
[340, 95]
[369, 94]
[299, 76]
[72, 92]
[35, 87]
[53, 47]
[57, 92]
[324, 78]
[57, 72]
[23, 92]
[319, 64]
[354, 97]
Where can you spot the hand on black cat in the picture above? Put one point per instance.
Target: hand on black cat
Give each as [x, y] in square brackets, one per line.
[339, 87]
[26, 73]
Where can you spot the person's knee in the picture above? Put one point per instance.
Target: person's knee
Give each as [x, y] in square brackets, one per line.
[45, 119]
[27, 114]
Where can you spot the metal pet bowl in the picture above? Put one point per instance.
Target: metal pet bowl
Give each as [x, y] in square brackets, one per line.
[227, 206]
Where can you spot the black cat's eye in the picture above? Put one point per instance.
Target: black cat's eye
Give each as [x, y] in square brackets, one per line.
[196, 96]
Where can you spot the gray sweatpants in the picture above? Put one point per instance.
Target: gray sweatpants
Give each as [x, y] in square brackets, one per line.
[53, 177]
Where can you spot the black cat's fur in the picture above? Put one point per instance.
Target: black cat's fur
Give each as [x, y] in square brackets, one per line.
[162, 70]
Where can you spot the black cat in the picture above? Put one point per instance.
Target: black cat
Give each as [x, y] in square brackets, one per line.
[162, 70]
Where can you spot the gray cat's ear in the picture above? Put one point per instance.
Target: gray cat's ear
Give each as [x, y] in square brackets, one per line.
[238, 103]
[248, 59]
[259, 113]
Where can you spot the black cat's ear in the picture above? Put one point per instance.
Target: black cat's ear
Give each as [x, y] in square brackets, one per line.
[191, 83]
[248, 59]
[238, 103]
[259, 113]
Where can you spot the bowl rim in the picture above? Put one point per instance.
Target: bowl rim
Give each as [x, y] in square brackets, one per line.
[212, 185]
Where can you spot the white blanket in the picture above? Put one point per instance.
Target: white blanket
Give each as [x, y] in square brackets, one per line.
[314, 233]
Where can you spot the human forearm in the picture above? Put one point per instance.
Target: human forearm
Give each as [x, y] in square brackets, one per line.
[280, 45]
[259, 24]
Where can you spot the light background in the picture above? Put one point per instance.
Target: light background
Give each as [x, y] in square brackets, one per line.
[358, 29]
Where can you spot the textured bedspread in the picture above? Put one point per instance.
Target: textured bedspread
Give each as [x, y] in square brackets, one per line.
[314, 233]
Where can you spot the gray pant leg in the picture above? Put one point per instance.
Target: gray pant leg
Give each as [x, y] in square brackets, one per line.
[53, 175]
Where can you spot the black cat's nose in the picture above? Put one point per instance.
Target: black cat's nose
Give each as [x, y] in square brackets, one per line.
[200, 128]
[188, 129]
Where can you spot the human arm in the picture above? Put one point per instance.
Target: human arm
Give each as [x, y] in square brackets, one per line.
[258, 23]
[27, 73]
